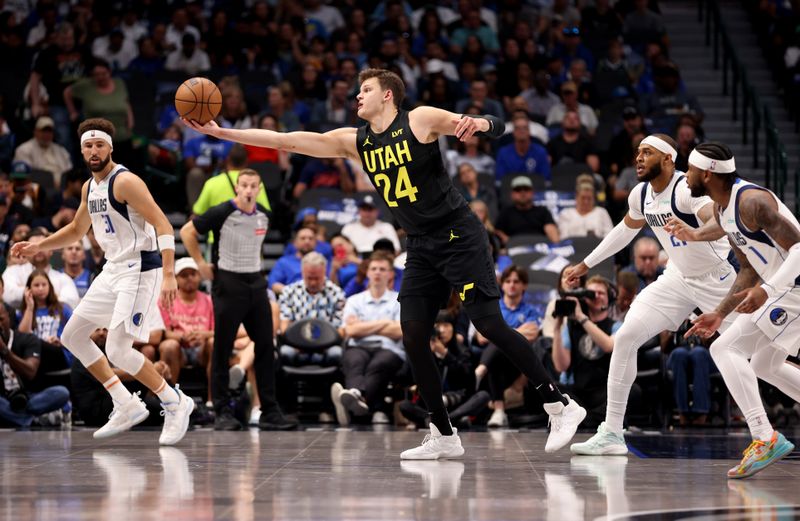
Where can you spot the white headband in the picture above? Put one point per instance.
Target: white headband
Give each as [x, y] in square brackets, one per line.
[660, 145]
[96, 134]
[718, 166]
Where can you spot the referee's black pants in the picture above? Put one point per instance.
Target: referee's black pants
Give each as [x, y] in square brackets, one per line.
[241, 298]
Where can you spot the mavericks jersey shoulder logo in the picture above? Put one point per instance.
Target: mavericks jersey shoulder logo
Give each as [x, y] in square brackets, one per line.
[778, 316]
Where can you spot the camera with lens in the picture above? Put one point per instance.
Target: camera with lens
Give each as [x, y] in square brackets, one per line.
[17, 400]
[566, 307]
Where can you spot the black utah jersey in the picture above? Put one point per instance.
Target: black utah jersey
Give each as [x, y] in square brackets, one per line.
[409, 175]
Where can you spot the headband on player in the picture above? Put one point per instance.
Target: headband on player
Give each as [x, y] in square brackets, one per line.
[718, 166]
[96, 134]
[660, 145]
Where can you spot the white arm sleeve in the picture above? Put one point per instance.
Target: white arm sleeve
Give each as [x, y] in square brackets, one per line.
[786, 274]
[617, 239]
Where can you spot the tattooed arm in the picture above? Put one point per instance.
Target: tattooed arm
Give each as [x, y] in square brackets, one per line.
[706, 324]
[758, 210]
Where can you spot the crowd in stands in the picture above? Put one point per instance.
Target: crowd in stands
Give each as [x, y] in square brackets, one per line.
[578, 83]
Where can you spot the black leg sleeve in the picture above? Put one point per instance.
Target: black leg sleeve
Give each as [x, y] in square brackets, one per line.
[516, 347]
[416, 338]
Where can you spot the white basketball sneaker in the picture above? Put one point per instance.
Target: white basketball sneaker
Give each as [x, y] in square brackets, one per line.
[564, 421]
[436, 446]
[176, 418]
[123, 417]
[605, 442]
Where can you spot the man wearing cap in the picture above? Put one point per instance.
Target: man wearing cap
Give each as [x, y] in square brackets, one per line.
[569, 101]
[698, 275]
[621, 150]
[368, 228]
[240, 296]
[524, 216]
[189, 324]
[42, 153]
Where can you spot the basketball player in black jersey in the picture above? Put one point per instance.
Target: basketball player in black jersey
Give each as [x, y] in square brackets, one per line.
[447, 245]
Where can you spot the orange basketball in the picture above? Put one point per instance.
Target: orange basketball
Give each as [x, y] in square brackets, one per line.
[198, 99]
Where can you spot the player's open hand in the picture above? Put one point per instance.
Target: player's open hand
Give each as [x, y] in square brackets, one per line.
[211, 128]
[680, 230]
[169, 290]
[754, 298]
[573, 274]
[24, 249]
[467, 126]
[705, 325]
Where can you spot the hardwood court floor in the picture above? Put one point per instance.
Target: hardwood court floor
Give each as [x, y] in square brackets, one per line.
[357, 475]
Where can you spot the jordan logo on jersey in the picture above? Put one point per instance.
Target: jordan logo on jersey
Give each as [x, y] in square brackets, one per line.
[98, 205]
[387, 156]
[367, 142]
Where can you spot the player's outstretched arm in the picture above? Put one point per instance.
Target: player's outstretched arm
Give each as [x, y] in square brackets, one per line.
[709, 231]
[70, 233]
[706, 324]
[619, 237]
[428, 123]
[340, 142]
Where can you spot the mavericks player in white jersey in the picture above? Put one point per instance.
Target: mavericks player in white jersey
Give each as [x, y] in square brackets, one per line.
[765, 236]
[698, 275]
[123, 298]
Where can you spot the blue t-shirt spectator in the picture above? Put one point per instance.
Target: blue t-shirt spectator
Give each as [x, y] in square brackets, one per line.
[535, 161]
[520, 315]
[82, 281]
[207, 150]
[288, 269]
[49, 325]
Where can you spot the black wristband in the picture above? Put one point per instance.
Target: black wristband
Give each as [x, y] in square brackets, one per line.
[496, 125]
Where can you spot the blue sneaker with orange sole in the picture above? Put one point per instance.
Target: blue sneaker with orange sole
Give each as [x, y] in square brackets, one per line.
[760, 455]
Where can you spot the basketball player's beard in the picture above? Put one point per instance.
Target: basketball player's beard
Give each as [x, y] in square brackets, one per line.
[652, 173]
[698, 191]
[99, 168]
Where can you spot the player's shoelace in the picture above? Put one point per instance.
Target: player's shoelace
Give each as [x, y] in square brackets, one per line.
[752, 449]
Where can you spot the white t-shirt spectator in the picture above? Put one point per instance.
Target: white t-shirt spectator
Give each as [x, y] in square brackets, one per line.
[198, 61]
[572, 224]
[15, 277]
[364, 238]
[175, 36]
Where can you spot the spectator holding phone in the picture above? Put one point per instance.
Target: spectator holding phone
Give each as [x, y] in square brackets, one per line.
[345, 260]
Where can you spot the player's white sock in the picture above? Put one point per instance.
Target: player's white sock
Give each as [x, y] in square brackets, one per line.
[760, 427]
[167, 394]
[622, 371]
[117, 391]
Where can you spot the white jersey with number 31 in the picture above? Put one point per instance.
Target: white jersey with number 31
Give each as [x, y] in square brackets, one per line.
[119, 229]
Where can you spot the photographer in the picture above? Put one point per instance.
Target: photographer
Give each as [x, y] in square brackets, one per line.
[20, 356]
[583, 349]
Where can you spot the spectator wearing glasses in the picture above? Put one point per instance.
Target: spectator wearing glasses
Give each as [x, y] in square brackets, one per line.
[42, 153]
[524, 216]
[569, 101]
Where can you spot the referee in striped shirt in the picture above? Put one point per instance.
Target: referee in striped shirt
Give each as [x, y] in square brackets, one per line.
[240, 297]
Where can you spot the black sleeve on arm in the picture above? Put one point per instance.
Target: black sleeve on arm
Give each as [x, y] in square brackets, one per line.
[496, 126]
[213, 219]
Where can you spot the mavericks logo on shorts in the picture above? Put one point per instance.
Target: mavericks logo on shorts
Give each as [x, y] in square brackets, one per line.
[137, 319]
[778, 316]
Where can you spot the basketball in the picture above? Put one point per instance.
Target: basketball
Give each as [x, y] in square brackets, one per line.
[198, 99]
